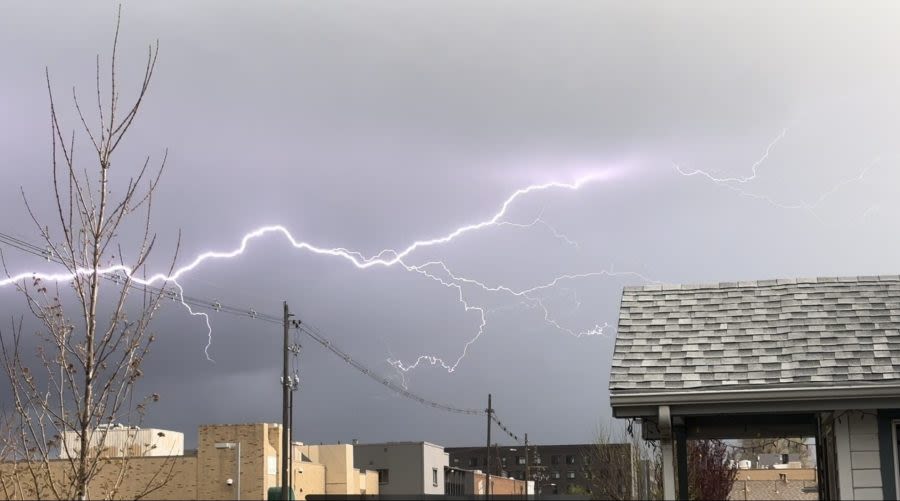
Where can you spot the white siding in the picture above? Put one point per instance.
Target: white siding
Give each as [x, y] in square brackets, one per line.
[120, 442]
[434, 457]
[859, 465]
[410, 466]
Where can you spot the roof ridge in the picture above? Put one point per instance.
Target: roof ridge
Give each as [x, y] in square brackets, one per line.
[763, 283]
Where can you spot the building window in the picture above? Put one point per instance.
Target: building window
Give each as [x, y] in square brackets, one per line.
[537, 459]
[520, 460]
[554, 459]
[434, 477]
[503, 460]
[570, 474]
[586, 460]
[555, 474]
[473, 461]
[570, 459]
[383, 475]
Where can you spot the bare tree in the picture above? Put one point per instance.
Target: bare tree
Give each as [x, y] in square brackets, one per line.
[710, 475]
[751, 447]
[621, 465]
[87, 359]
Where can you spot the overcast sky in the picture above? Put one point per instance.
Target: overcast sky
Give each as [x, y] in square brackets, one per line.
[369, 125]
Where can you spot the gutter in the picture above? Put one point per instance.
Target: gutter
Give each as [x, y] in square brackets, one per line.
[755, 395]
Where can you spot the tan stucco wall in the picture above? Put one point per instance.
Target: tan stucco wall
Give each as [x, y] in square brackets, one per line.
[371, 482]
[340, 475]
[204, 476]
[309, 478]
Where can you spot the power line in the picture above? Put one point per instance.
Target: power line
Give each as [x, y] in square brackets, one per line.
[503, 427]
[317, 336]
[217, 306]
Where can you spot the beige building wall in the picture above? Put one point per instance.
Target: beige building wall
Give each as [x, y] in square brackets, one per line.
[260, 460]
[368, 480]
[500, 486]
[320, 469]
[774, 484]
[151, 477]
[340, 475]
[309, 478]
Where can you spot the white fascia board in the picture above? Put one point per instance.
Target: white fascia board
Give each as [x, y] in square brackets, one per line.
[639, 404]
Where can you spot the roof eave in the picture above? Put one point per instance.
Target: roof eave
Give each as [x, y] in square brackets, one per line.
[642, 404]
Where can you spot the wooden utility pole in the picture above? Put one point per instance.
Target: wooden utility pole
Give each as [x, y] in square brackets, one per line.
[286, 413]
[487, 481]
[527, 476]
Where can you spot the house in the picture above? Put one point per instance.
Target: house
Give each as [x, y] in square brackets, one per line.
[799, 357]
[404, 468]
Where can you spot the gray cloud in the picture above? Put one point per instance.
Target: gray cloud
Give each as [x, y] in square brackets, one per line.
[368, 126]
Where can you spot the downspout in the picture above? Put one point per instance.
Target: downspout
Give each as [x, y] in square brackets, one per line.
[667, 444]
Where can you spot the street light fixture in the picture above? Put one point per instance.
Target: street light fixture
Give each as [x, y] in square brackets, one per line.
[237, 448]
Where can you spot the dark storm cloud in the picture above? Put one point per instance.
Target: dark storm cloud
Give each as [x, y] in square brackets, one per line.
[369, 125]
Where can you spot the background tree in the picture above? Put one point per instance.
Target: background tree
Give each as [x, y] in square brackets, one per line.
[621, 465]
[87, 357]
[710, 476]
[752, 447]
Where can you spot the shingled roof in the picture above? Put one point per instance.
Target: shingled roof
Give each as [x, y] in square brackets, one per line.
[770, 333]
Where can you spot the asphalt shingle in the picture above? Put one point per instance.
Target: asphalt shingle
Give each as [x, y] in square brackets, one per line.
[772, 332]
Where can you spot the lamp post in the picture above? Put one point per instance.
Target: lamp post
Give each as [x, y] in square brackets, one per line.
[237, 448]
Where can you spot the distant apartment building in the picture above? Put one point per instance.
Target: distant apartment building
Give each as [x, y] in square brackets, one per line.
[231, 461]
[555, 469]
[411, 468]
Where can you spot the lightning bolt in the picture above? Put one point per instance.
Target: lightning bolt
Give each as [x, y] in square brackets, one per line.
[526, 295]
[733, 183]
[385, 258]
[540, 221]
[747, 179]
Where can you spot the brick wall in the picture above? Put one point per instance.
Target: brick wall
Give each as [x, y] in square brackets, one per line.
[258, 448]
[167, 477]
